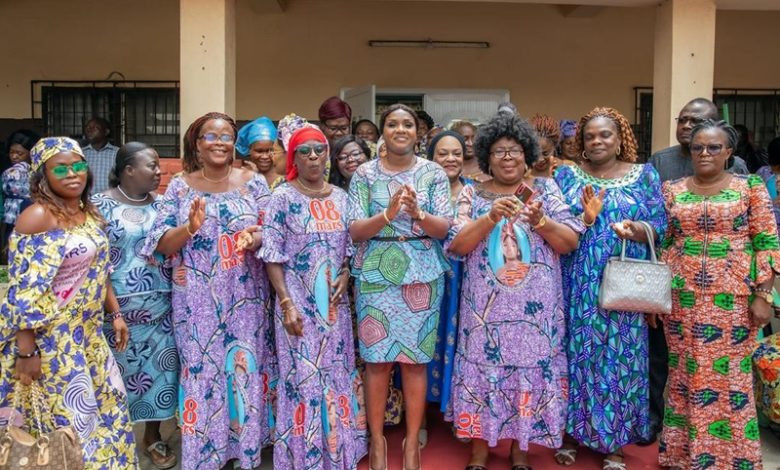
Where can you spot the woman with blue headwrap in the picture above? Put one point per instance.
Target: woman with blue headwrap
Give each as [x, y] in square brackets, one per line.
[257, 142]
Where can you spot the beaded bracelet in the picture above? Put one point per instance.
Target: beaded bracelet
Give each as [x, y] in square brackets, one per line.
[35, 353]
[111, 316]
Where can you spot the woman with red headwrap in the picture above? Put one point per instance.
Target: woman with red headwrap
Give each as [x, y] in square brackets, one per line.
[306, 247]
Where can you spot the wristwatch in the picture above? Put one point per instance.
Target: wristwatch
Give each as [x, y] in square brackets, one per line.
[764, 294]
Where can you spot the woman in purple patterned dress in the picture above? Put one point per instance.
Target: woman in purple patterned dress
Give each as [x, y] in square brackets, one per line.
[509, 380]
[320, 414]
[219, 300]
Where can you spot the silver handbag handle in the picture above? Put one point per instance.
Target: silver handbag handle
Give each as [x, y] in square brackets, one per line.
[650, 241]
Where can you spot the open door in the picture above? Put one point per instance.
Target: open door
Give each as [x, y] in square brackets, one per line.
[471, 105]
[362, 100]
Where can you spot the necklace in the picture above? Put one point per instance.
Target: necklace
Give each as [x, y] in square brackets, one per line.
[203, 173]
[130, 198]
[708, 186]
[324, 185]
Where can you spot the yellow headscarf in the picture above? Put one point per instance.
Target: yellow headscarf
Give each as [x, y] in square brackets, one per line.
[51, 146]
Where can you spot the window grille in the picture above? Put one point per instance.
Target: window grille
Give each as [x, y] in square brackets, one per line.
[757, 109]
[145, 111]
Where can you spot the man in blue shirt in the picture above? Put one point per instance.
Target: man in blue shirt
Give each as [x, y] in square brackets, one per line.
[100, 154]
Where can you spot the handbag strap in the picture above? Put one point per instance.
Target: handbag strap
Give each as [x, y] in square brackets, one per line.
[36, 400]
[650, 241]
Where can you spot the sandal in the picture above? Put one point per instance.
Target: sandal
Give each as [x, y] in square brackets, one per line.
[161, 456]
[610, 464]
[519, 466]
[566, 456]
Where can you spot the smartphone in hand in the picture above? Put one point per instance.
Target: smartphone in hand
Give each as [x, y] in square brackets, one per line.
[524, 193]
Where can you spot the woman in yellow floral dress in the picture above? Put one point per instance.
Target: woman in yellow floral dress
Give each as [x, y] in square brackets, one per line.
[51, 321]
[723, 250]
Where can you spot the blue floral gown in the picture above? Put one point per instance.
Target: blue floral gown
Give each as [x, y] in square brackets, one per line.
[222, 327]
[607, 350]
[320, 413]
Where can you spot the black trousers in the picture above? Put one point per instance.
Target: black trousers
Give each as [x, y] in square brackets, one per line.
[659, 372]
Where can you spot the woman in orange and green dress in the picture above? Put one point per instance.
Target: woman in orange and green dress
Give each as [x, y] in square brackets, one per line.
[722, 247]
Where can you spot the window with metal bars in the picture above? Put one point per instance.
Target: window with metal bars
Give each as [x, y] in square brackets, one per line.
[756, 109]
[145, 111]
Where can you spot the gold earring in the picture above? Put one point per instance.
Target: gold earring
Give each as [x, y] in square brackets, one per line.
[618, 152]
[584, 157]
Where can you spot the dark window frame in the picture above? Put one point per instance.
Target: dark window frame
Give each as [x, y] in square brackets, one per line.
[129, 105]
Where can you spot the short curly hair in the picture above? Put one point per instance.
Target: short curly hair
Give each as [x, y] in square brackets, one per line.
[507, 125]
[628, 144]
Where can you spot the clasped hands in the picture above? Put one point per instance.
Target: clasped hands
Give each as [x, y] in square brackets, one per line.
[405, 199]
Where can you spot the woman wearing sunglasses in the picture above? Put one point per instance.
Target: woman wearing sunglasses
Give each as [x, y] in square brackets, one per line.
[320, 416]
[51, 323]
[723, 250]
[347, 154]
[220, 294]
[399, 207]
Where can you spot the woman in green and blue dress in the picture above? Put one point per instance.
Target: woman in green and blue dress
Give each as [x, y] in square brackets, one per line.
[399, 209]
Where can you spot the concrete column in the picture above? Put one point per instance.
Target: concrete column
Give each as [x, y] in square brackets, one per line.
[207, 56]
[684, 62]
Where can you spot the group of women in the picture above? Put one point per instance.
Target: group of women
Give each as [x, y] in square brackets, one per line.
[231, 298]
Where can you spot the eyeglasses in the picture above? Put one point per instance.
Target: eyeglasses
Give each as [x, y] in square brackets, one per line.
[334, 129]
[514, 152]
[355, 155]
[212, 137]
[306, 150]
[712, 149]
[693, 121]
[62, 171]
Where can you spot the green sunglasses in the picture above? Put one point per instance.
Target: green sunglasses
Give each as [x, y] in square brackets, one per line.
[61, 171]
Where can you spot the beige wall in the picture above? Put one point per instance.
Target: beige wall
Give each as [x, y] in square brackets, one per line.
[289, 62]
[83, 40]
[747, 49]
[549, 63]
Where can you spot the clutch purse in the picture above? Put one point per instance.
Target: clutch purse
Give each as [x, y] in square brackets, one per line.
[57, 450]
[637, 285]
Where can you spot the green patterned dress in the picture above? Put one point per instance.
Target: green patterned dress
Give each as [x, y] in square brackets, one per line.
[400, 272]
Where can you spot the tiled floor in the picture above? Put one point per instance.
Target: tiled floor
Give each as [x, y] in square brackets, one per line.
[443, 452]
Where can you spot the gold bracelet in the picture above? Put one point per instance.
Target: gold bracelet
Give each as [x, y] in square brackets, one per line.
[187, 228]
[420, 215]
[387, 219]
[583, 221]
[491, 219]
[541, 223]
[284, 301]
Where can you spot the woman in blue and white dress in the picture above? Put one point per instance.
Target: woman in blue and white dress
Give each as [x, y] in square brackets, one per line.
[150, 364]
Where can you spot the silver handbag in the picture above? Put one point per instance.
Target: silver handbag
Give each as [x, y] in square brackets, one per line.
[637, 285]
